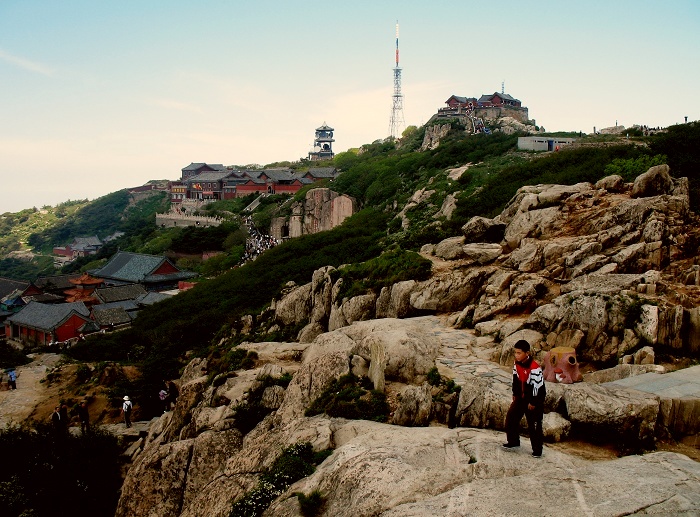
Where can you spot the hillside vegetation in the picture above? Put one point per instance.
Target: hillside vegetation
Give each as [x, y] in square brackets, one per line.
[383, 178]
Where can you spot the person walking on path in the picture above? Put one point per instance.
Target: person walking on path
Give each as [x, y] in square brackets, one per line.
[126, 410]
[56, 420]
[84, 416]
[528, 399]
[12, 382]
[163, 395]
[64, 416]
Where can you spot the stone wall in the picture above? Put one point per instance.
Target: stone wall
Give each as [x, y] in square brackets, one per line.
[494, 113]
[173, 220]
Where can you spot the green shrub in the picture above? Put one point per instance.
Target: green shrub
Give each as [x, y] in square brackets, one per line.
[295, 463]
[83, 373]
[11, 357]
[433, 377]
[630, 168]
[385, 270]
[45, 473]
[351, 397]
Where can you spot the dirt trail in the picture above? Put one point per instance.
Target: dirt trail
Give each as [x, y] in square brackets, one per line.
[17, 405]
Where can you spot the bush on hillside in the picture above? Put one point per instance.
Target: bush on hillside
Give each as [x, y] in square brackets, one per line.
[681, 144]
[46, 473]
[295, 462]
[351, 397]
[566, 168]
[393, 266]
[11, 357]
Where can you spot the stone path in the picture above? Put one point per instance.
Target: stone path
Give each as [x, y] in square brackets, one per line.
[456, 359]
[678, 384]
[17, 405]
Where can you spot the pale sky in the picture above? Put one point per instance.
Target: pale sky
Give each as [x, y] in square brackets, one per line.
[102, 95]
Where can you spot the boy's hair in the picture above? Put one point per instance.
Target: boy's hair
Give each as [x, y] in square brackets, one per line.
[522, 345]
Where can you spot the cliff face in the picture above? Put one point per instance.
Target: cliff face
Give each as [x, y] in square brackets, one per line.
[321, 210]
[607, 270]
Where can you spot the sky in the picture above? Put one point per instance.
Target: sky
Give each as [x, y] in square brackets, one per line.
[98, 96]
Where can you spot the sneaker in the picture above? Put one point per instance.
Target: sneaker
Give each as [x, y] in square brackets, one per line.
[536, 455]
[509, 446]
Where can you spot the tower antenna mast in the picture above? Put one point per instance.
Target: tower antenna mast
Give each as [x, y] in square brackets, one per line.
[396, 123]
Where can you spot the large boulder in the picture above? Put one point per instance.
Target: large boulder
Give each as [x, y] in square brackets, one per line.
[654, 182]
[357, 308]
[402, 351]
[483, 403]
[450, 248]
[190, 395]
[542, 223]
[394, 471]
[613, 183]
[156, 482]
[321, 295]
[309, 382]
[447, 293]
[415, 405]
[482, 253]
[482, 230]
[625, 417]
[395, 301]
[295, 306]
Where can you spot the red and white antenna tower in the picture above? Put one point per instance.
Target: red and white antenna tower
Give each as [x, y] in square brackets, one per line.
[396, 123]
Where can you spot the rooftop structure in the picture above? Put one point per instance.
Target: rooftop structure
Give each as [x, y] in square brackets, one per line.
[323, 144]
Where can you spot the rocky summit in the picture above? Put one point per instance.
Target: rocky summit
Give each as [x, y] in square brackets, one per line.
[606, 270]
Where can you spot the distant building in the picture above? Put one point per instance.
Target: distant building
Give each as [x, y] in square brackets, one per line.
[323, 144]
[80, 247]
[542, 143]
[152, 272]
[197, 168]
[38, 324]
[490, 106]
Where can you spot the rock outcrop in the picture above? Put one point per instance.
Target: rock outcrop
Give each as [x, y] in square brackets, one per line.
[602, 270]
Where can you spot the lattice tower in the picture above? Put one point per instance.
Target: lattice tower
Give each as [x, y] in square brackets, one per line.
[396, 122]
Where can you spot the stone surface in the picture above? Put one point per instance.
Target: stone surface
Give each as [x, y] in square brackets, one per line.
[653, 182]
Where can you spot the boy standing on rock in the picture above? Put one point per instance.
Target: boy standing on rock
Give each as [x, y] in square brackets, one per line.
[528, 399]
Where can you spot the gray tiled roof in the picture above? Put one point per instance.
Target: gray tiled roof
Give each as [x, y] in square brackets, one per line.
[208, 176]
[279, 174]
[56, 282]
[48, 317]
[119, 293]
[87, 241]
[131, 267]
[458, 98]
[114, 316]
[180, 275]
[151, 298]
[195, 166]
[45, 297]
[127, 305]
[252, 173]
[7, 285]
[322, 172]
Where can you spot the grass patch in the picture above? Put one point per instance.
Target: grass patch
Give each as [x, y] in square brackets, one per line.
[387, 269]
[353, 398]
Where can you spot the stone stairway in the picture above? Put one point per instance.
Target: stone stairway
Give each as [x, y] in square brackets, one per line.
[456, 359]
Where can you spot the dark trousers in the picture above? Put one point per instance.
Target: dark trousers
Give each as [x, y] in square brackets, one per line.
[517, 409]
[127, 418]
